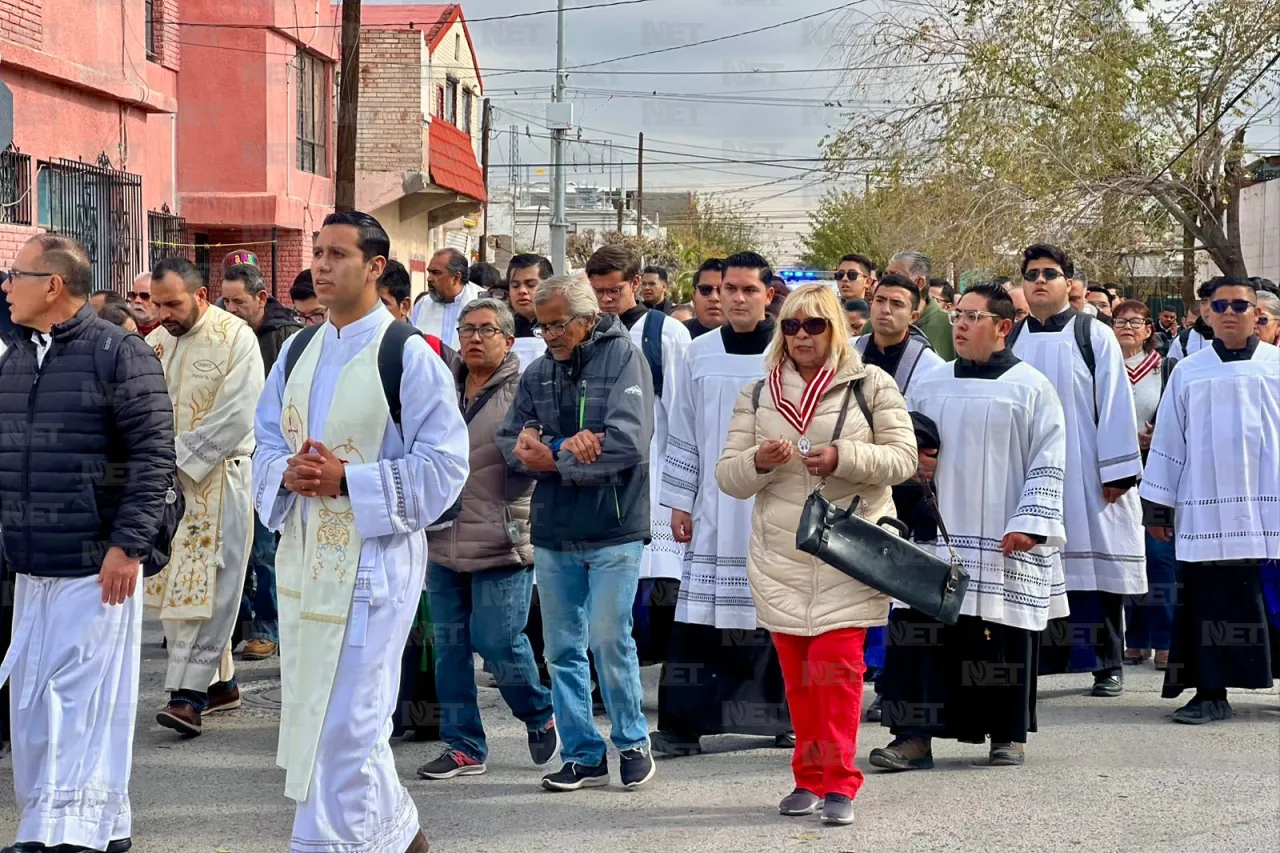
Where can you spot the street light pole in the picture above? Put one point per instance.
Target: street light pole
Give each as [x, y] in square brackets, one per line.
[559, 223]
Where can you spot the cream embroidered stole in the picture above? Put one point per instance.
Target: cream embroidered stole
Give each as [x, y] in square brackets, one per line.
[317, 564]
[195, 366]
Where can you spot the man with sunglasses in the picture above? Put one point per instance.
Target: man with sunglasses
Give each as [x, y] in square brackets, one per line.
[1211, 484]
[581, 425]
[718, 660]
[145, 312]
[854, 276]
[707, 312]
[1104, 558]
[1198, 335]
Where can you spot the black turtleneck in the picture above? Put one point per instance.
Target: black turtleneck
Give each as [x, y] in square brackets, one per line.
[992, 368]
[753, 342]
[695, 328]
[886, 359]
[1245, 353]
[632, 315]
[665, 306]
[1056, 323]
[524, 328]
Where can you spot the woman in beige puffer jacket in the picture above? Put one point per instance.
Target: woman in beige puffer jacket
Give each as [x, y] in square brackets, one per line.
[818, 616]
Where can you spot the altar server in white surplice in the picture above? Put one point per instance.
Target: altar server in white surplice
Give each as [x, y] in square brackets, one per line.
[351, 483]
[721, 674]
[1213, 482]
[1105, 557]
[213, 366]
[1001, 452]
[614, 273]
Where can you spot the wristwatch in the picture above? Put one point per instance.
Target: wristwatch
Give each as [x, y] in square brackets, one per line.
[534, 425]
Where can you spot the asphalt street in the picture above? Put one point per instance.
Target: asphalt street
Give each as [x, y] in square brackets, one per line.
[1101, 775]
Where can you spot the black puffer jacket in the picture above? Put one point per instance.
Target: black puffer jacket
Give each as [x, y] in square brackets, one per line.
[83, 466]
[278, 323]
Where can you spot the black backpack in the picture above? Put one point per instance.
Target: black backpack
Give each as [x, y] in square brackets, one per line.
[1083, 329]
[651, 346]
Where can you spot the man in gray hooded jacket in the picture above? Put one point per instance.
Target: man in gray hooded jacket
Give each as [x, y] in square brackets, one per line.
[581, 426]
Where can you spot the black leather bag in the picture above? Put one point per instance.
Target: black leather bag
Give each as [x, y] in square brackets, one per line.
[869, 553]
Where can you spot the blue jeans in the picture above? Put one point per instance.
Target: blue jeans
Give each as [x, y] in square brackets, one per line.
[1149, 617]
[483, 612]
[259, 601]
[586, 596]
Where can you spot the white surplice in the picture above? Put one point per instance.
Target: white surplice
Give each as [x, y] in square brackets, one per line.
[1195, 343]
[713, 581]
[441, 318]
[355, 802]
[663, 556]
[215, 375]
[528, 350]
[1002, 452]
[1105, 550]
[74, 696]
[1215, 456]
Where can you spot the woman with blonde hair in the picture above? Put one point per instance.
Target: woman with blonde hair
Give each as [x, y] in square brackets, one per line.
[819, 417]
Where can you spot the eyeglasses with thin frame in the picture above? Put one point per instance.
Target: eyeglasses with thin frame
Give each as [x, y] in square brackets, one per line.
[1237, 306]
[550, 331]
[969, 316]
[1131, 323]
[499, 293]
[470, 331]
[607, 292]
[813, 326]
[852, 275]
[1049, 274]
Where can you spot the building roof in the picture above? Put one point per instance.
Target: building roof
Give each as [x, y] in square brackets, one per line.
[432, 19]
[452, 162]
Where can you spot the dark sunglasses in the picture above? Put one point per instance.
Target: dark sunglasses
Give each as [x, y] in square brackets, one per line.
[145, 297]
[840, 275]
[1050, 274]
[706, 290]
[1237, 306]
[813, 327]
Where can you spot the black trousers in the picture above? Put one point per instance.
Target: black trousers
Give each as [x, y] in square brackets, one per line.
[1091, 639]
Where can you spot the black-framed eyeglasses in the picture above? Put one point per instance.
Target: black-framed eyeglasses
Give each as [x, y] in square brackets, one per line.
[813, 326]
[1130, 323]
[470, 331]
[1049, 274]
[14, 273]
[1237, 306]
[852, 275]
[707, 290]
[499, 293]
[554, 330]
[969, 316]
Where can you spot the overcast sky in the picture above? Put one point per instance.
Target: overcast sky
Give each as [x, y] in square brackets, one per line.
[756, 97]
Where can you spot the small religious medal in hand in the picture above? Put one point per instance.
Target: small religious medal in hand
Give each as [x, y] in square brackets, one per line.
[803, 444]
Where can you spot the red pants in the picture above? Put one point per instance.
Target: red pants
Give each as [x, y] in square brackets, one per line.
[824, 691]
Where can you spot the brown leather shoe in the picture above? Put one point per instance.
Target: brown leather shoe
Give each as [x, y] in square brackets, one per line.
[1162, 659]
[418, 844]
[181, 717]
[1006, 755]
[222, 699]
[259, 649]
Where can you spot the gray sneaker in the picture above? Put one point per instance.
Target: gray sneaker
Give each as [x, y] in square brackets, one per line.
[837, 810]
[799, 803]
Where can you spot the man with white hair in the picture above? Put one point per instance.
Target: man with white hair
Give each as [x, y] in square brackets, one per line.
[1268, 317]
[145, 312]
[581, 425]
[933, 320]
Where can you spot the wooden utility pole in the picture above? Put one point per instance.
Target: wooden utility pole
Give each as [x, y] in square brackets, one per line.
[486, 116]
[640, 188]
[348, 107]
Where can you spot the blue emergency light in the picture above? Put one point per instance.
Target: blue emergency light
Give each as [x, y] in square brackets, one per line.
[804, 275]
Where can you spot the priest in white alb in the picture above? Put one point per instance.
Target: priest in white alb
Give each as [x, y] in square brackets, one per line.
[1213, 484]
[998, 479]
[351, 467]
[213, 366]
[721, 675]
[1105, 555]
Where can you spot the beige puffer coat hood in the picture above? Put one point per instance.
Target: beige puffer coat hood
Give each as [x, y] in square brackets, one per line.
[796, 593]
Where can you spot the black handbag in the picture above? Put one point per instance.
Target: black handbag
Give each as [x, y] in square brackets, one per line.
[869, 553]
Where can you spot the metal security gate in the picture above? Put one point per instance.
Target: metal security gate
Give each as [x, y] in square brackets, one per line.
[100, 208]
[165, 233]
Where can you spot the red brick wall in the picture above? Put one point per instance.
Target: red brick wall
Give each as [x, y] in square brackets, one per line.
[292, 255]
[12, 237]
[21, 22]
[166, 28]
[390, 138]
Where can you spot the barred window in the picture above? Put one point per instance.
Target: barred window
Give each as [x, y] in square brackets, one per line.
[313, 109]
[150, 11]
[468, 100]
[451, 101]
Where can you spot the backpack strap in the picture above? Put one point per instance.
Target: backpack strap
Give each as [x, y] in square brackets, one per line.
[909, 362]
[391, 363]
[296, 348]
[1083, 330]
[755, 394]
[651, 346]
[1184, 340]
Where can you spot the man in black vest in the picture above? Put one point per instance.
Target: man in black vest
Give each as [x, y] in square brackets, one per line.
[89, 459]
